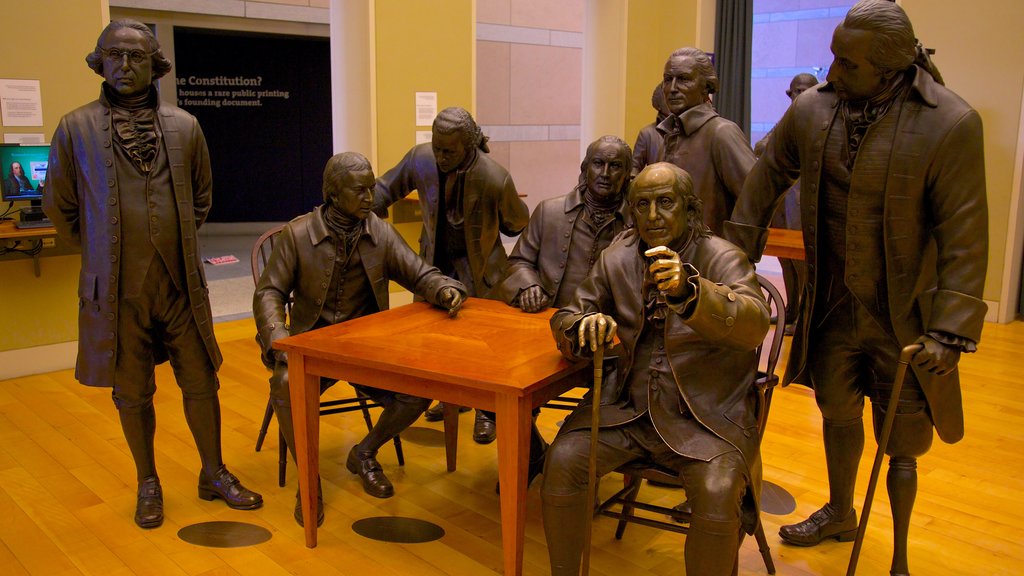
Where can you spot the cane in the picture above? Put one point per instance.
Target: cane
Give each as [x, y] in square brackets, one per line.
[883, 440]
[592, 467]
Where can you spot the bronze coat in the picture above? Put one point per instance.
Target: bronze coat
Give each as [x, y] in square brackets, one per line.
[490, 205]
[542, 251]
[82, 198]
[711, 350]
[302, 265]
[715, 152]
[935, 229]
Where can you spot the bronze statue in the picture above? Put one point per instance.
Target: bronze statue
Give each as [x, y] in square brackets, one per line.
[894, 217]
[563, 240]
[794, 272]
[334, 263]
[649, 141]
[715, 151]
[129, 182]
[468, 200]
[683, 302]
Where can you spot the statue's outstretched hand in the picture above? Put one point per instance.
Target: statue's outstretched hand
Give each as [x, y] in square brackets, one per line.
[596, 330]
[533, 299]
[936, 357]
[452, 300]
[667, 270]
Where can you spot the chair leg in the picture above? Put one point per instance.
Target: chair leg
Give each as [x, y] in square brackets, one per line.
[762, 545]
[366, 411]
[398, 450]
[633, 483]
[267, 415]
[282, 459]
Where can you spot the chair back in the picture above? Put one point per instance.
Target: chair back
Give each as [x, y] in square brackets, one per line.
[768, 353]
[261, 251]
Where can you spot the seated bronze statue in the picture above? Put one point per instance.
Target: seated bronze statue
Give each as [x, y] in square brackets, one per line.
[689, 313]
[335, 263]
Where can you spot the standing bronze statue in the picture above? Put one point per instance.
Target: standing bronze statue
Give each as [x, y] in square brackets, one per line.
[334, 264]
[129, 182]
[794, 272]
[468, 200]
[714, 151]
[565, 236]
[894, 217]
[688, 311]
[649, 141]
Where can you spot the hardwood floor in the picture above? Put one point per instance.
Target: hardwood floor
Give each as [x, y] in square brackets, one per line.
[67, 488]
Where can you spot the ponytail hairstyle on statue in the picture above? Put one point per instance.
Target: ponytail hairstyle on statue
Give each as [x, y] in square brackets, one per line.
[454, 119]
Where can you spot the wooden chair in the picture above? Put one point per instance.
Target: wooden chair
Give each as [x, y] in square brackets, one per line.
[260, 255]
[635, 472]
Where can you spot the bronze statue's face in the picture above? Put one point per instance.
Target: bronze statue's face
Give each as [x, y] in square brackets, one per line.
[851, 74]
[684, 86]
[16, 169]
[798, 86]
[353, 193]
[449, 150]
[127, 62]
[606, 171]
[659, 209]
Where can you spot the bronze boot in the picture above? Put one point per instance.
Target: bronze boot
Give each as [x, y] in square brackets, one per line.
[149, 508]
[365, 464]
[226, 486]
[319, 505]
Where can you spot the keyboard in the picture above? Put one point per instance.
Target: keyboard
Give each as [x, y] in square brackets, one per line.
[44, 223]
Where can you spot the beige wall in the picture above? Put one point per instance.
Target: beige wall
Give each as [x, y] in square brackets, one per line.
[42, 310]
[528, 91]
[978, 51]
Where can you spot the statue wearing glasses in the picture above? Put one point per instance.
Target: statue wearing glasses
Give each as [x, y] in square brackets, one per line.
[129, 182]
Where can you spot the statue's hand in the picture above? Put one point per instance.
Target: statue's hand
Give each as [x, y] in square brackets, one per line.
[281, 356]
[936, 357]
[596, 330]
[533, 299]
[667, 271]
[452, 300]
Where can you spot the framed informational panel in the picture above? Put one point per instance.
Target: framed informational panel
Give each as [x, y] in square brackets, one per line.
[264, 103]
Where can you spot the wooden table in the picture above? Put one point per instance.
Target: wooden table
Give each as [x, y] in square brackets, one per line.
[783, 243]
[10, 231]
[490, 356]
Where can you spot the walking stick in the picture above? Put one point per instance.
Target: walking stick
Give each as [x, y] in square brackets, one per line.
[592, 467]
[883, 440]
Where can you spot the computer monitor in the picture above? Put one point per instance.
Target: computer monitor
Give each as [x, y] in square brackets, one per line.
[23, 169]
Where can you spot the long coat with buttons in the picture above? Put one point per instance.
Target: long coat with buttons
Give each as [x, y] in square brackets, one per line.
[82, 198]
[490, 205]
[934, 231]
[542, 251]
[710, 342]
[303, 265]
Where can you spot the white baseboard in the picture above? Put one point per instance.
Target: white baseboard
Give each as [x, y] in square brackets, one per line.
[38, 359]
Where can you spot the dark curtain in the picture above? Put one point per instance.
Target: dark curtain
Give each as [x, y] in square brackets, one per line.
[734, 32]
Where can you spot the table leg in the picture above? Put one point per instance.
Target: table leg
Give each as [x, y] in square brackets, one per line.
[304, 392]
[513, 417]
[451, 434]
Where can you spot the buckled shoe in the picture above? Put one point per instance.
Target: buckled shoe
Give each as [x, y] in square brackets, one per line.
[319, 506]
[226, 486]
[484, 431]
[149, 508]
[825, 523]
[365, 464]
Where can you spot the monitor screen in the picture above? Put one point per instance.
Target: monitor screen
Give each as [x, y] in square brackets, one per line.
[23, 169]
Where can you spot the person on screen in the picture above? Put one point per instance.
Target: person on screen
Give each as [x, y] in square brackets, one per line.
[16, 179]
[468, 201]
[129, 182]
[334, 264]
